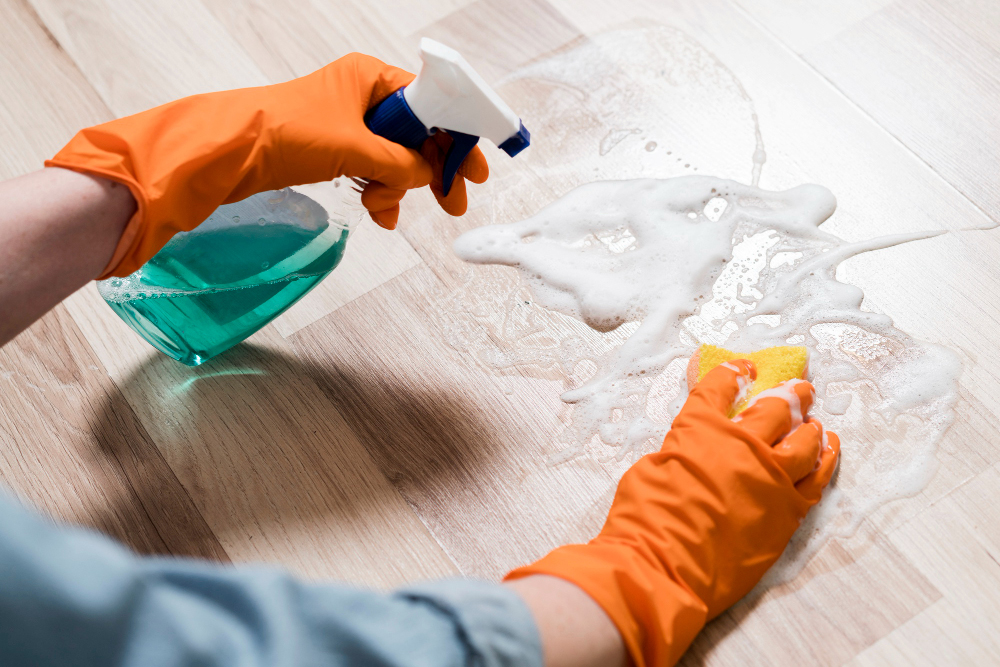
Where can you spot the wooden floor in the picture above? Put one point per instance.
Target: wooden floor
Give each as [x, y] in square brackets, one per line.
[353, 440]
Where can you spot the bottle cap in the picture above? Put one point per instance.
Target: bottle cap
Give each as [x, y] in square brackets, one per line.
[394, 120]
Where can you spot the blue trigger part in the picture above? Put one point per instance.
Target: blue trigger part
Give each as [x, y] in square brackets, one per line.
[517, 142]
[461, 145]
[394, 120]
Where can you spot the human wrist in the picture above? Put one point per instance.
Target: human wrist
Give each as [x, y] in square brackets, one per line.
[575, 630]
[655, 615]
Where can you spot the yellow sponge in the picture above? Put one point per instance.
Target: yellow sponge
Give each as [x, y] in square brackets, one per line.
[774, 366]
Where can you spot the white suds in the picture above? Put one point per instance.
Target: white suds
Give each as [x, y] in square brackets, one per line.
[742, 383]
[785, 392]
[679, 281]
[659, 265]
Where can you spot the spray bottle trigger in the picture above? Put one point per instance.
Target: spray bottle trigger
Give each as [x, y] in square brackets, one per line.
[462, 144]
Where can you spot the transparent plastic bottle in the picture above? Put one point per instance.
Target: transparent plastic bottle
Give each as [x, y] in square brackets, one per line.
[212, 287]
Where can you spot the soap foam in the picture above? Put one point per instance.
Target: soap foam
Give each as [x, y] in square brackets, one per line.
[633, 88]
[654, 275]
[645, 101]
[785, 392]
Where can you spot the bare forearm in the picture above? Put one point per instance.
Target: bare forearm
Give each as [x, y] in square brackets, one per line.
[58, 230]
[575, 630]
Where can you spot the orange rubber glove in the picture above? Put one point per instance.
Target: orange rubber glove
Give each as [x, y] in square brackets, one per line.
[184, 159]
[695, 526]
[434, 150]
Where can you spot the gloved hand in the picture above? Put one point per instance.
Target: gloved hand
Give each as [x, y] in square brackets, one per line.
[385, 200]
[184, 159]
[695, 526]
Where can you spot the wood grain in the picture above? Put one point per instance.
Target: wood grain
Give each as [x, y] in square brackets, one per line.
[288, 39]
[266, 458]
[139, 55]
[73, 447]
[927, 71]
[45, 97]
[784, 625]
[530, 28]
[958, 553]
[363, 437]
[467, 451]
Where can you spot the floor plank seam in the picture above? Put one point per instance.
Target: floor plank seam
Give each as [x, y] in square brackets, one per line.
[783, 45]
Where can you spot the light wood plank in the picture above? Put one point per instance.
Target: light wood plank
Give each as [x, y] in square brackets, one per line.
[44, 97]
[288, 39]
[515, 32]
[808, 623]
[406, 17]
[955, 545]
[927, 70]
[72, 446]
[977, 501]
[141, 54]
[282, 41]
[468, 451]
[267, 459]
[807, 23]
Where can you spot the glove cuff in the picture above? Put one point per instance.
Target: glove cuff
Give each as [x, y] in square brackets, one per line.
[176, 181]
[657, 617]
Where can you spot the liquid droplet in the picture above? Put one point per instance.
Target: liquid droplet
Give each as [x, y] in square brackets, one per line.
[236, 219]
[265, 265]
[651, 146]
[262, 222]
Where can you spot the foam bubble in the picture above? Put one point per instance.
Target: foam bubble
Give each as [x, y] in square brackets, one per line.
[786, 392]
[647, 305]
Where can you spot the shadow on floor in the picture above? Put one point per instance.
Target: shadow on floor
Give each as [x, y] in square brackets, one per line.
[256, 436]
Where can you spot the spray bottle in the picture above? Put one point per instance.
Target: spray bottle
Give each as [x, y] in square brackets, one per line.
[212, 287]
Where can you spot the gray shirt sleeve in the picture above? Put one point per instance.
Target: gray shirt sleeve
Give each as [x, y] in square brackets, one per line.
[70, 597]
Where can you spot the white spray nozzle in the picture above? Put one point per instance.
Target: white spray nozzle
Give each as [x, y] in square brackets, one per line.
[450, 95]
[447, 95]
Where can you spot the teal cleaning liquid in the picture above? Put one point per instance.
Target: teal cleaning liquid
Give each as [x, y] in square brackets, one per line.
[211, 288]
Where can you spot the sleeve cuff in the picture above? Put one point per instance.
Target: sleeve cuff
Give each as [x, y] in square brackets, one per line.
[492, 620]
